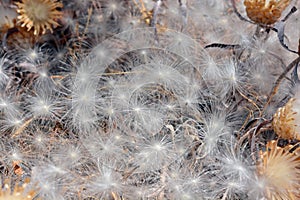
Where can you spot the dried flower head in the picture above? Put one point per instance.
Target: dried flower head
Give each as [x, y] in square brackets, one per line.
[265, 12]
[41, 15]
[280, 170]
[18, 192]
[285, 121]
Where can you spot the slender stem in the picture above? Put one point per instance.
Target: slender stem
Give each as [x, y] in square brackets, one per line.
[278, 81]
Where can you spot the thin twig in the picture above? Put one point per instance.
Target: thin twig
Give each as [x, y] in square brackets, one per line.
[278, 81]
[257, 131]
[22, 128]
[235, 10]
[225, 194]
[251, 101]
[154, 17]
[222, 46]
[90, 10]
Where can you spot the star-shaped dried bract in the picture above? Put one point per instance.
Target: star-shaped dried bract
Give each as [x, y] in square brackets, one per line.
[40, 15]
[280, 170]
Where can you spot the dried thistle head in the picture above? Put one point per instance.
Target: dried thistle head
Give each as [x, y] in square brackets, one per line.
[280, 170]
[18, 192]
[265, 12]
[285, 123]
[41, 15]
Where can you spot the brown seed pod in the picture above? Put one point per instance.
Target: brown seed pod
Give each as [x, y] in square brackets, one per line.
[265, 12]
[40, 15]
